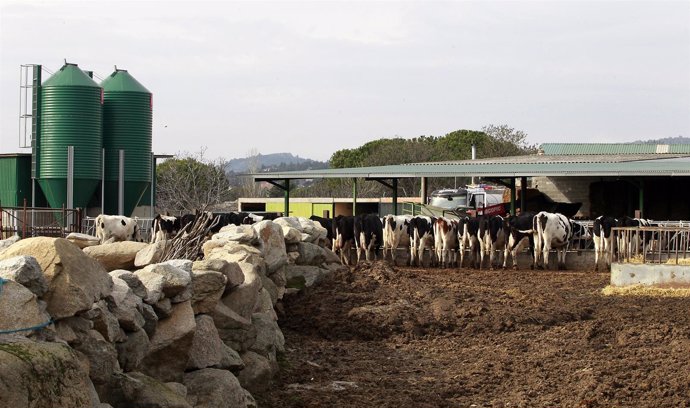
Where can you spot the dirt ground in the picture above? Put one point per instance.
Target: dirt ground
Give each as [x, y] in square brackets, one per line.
[378, 336]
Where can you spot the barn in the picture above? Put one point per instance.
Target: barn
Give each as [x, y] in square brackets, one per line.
[645, 180]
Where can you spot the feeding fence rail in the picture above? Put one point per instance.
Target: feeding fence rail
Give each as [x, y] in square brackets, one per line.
[664, 244]
[30, 222]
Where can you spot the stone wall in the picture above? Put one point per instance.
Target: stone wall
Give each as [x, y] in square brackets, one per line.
[127, 331]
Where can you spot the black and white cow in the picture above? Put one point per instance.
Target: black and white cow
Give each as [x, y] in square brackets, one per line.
[395, 234]
[421, 232]
[551, 231]
[164, 227]
[326, 223]
[368, 235]
[518, 229]
[492, 238]
[446, 241]
[604, 242]
[115, 228]
[468, 236]
[343, 237]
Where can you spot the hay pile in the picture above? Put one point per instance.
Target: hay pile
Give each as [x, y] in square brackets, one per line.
[643, 290]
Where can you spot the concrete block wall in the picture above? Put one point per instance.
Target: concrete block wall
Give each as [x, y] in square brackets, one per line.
[567, 189]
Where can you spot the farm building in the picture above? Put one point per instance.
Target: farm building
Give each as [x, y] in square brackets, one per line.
[326, 207]
[623, 179]
[90, 143]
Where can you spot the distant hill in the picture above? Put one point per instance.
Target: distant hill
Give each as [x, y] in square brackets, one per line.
[666, 140]
[274, 162]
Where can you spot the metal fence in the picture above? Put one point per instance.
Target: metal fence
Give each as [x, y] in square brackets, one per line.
[668, 243]
[38, 222]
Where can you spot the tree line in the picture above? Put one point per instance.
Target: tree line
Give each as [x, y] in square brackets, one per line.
[190, 181]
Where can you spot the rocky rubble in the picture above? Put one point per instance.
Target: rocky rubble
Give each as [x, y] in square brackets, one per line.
[126, 331]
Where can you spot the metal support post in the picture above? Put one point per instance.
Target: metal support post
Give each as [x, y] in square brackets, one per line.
[102, 181]
[641, 198]
[523, 194]
[354, 196]
[287, 197]
[423, 194]
[70, 184]
[512, 196]
[121, 185]
[395, 196]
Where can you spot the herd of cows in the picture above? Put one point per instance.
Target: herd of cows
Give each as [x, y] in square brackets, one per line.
[448, 241]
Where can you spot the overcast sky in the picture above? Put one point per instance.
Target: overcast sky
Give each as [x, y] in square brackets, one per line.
[310, 78]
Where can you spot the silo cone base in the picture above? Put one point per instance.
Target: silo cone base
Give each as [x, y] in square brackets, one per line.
[134, 191]
[55, 191]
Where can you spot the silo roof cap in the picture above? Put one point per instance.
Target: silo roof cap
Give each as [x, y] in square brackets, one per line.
[122, 81]
[70, 75]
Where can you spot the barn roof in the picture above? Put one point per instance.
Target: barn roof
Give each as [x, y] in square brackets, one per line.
[613, 148]
[617, 165]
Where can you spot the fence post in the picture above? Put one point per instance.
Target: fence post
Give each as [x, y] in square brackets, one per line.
[64, 218]
[24, 221]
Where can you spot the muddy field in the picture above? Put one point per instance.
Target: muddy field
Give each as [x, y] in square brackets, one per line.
[382, 337]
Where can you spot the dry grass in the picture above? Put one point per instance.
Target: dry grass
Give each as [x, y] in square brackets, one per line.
[681, 261]
[643, 290]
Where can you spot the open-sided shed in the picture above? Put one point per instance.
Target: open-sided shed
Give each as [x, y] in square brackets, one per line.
[641, 167]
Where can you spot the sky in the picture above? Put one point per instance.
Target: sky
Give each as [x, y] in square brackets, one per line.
[311, 78]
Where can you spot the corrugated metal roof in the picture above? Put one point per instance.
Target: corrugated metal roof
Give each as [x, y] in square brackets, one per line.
[613, 148]
[516, 166]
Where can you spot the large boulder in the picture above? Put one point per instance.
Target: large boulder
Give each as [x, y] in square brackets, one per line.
[243, 298]
[163, 280]
[105, 322]
[291, 235]
[126, 306]
[213, 388]
[170, 344]
[137, 390]
[269, 338]
[310, 231]
[244, 234]
[101, 355]
[313, 229]
[83, 240]
[307, 274]
[232, 271]
[207, 289]
[6, 243]
[311, 254]
[132, 351]
[150, 254]
[235, 331]
[208, 349]
[257, 373]
[75, 280]
[274, 253]
[132, 280]
[116, 255]
[19, 308]
[42, 375]
[25, 270]
[236, 252]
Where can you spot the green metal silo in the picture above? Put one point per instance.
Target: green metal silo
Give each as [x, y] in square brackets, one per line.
[127, 124]
[70, 114]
